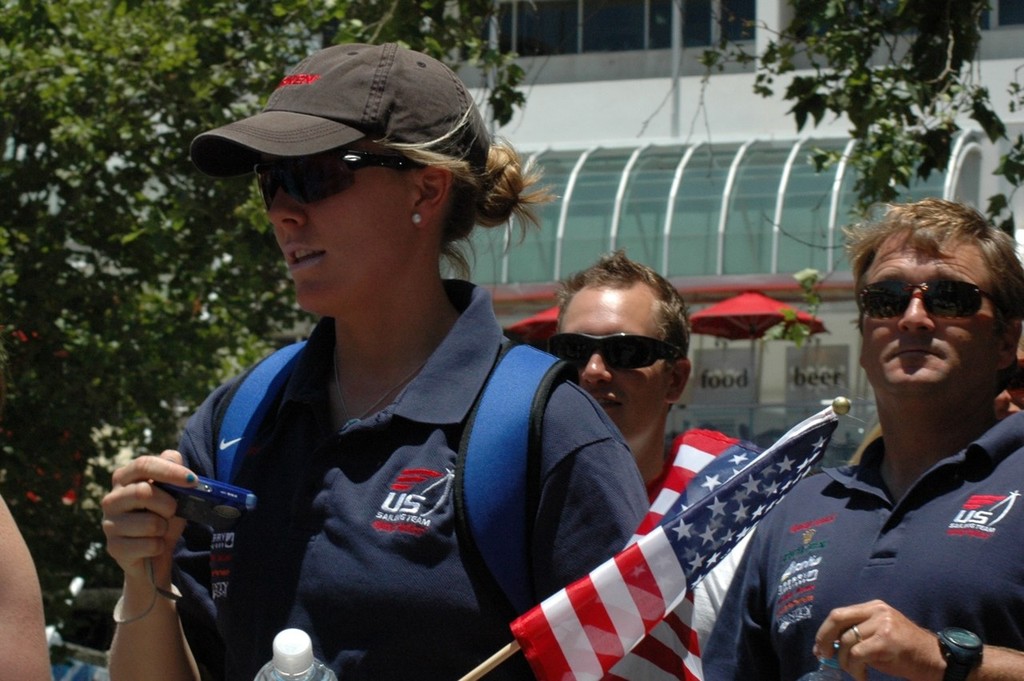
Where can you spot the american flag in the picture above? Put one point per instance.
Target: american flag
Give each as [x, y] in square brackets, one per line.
[671, 650]
[694, 451]
[582, 631]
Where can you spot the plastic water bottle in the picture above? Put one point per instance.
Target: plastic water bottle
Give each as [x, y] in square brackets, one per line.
[828, 670]
[293, 660]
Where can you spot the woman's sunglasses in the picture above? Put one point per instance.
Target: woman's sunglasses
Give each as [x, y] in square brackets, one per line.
[308, 179]
[620, 351]
[941, 297]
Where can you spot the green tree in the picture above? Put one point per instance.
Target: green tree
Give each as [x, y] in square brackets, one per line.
[902, 72]
[131, 284]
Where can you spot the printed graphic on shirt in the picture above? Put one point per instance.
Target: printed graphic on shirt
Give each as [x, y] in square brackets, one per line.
[221, 554]
[980, 514]
[799, 577]
[411, 500]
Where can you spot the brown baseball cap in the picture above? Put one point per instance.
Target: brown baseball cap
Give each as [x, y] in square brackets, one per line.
[344, 93]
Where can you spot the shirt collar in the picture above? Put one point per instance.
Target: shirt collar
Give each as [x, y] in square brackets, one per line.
[445, 389]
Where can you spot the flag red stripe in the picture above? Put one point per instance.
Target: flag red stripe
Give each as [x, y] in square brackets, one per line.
[686, 633]
[597, 625]
[643, 588]
[660, 655]
[538, 642]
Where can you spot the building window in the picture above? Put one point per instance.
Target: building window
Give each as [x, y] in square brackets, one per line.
[613, 25]
[541, 28]
[736, 19]
[1003, 13]
[1011, 12]
[550, 27]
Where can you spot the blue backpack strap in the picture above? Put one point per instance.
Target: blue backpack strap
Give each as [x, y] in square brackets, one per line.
[247, 405]
[498, 475]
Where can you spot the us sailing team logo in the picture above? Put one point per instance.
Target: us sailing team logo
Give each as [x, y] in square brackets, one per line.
[412, 499]
[980, 514]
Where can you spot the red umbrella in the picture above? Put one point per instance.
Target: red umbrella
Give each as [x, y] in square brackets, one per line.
[537, 327]
[747, 315]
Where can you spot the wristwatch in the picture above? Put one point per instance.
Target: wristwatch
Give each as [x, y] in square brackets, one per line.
[962, 651]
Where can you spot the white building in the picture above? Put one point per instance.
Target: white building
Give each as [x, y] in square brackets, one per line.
[708, 183]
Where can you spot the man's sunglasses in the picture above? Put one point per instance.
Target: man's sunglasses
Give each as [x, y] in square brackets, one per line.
[308, 179]
[941, 297]
[620, 351]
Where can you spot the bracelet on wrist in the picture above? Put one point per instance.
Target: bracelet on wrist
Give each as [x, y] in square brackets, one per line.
[171, 594]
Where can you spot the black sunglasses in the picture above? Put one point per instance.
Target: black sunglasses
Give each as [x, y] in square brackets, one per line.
[941, 297]
[620, 351]
[311, 178]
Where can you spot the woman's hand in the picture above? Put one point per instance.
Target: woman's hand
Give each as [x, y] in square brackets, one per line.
[138, 516]
[141, 528]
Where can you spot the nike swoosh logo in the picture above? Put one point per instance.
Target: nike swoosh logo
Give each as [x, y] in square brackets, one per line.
[224, 444]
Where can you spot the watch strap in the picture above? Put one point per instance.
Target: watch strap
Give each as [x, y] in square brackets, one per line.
[956, 671]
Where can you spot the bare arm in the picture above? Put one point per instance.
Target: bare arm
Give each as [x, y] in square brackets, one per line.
[889, 642]
[999, 664]
[23, 651]
[139, 521]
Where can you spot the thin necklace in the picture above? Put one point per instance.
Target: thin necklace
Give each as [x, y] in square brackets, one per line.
[384, 395]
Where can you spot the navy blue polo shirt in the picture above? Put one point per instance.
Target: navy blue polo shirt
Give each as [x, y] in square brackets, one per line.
[948, 554]
[354, 536]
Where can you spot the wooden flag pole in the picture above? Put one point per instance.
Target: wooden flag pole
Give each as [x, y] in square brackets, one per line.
[493, 661]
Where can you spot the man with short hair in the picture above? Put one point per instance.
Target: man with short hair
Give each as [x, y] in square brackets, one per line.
[626, 328]
[907, 565]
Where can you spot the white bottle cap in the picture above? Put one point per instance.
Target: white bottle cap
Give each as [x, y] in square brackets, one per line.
[293, 652]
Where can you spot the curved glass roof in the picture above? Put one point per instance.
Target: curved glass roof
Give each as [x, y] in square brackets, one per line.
[701, 210]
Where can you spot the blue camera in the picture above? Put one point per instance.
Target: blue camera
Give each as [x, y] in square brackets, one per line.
[216, 504]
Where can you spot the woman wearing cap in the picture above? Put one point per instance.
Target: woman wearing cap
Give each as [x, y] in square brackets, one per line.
[374, 164]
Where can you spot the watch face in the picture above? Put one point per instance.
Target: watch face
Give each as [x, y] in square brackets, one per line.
[962, 637]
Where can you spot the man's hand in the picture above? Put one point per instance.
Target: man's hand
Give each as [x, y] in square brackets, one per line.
[874, 634]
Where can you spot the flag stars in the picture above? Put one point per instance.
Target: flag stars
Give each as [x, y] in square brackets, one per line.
[716, 524]
[739, 459]
[711, 482]
[717, 507]
[708, 535]
[682, 530]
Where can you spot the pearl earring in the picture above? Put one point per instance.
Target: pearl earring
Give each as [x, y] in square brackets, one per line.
[417, 218]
